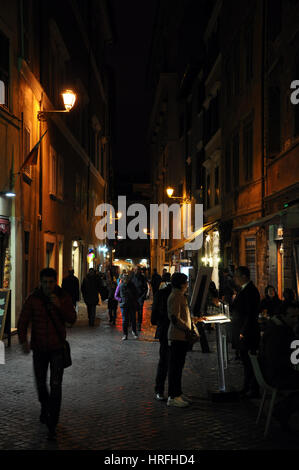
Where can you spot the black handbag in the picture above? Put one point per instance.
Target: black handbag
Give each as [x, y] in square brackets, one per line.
[67, 358]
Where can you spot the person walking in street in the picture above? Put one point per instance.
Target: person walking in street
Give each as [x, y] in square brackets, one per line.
[70, 284]
[245, 327]
[112, 302]
[90, 290]
[155, 281]
[160, 318]
[140, 283]
[179, 332]
[47, 309]
[126, 294]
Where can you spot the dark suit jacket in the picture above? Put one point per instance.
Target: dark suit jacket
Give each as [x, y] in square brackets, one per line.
[245, 311]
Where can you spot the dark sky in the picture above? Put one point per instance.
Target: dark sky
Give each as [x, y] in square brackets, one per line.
[133, 23]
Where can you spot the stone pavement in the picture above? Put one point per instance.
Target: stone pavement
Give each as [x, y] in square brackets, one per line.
[108, 399]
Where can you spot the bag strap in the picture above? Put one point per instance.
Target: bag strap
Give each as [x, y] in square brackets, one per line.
[53, 322]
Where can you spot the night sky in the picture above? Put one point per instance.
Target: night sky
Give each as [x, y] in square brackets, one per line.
[133, 24]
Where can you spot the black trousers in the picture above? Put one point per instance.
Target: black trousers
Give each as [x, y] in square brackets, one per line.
[50, 402]
[177, 356]
[162, 369]
[140, 314]
[250, 383]
[91, 310]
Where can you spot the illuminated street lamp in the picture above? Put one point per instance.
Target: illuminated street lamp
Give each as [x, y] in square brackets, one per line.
[69, 99]
[170, 191]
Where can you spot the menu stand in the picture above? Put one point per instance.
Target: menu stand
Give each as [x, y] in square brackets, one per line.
[222, 394]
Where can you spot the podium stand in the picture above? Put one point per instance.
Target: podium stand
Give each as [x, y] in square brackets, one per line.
[223, 394]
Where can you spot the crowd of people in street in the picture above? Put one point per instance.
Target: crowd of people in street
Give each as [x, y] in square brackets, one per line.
[265, 327]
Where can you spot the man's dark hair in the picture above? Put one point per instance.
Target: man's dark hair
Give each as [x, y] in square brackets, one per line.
[243, 271]
[48, 272]
[286, 305]
[288, 295]
[166, 277]
[178, 279]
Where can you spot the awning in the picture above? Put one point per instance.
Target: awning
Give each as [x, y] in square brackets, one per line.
[195, 234]
[260, 221]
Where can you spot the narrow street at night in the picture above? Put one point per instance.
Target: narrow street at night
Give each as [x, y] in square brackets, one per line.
[149, 157]
[108, 399]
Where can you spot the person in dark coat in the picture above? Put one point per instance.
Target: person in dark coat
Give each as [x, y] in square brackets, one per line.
[71, 285]
[271, 303]
[159, 317]
[126, 294]
[155, 281]
[275, 358]
[139, 280]
[90, 290]
[245, 327]
[47, 309]
[112, 302]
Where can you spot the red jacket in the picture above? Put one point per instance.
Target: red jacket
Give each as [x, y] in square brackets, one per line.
[44, 336]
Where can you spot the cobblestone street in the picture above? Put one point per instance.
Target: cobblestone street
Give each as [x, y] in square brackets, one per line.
[108, 399]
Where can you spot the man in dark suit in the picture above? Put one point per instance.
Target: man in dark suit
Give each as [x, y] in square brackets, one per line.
[245, 327]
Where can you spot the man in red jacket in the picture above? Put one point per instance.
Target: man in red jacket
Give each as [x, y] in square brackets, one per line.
[47, 309]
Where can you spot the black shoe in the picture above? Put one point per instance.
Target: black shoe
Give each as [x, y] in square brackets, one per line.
[283, 420]
[52, 435]
[253, 394]
[44, 417]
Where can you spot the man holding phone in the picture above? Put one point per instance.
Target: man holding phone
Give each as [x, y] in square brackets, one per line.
[48, 308]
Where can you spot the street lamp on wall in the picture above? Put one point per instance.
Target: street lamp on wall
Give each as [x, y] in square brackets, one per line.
[69, 99]
[170, 191]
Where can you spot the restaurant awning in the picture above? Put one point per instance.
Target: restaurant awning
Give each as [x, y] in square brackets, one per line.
[260, 221]
[192, 237]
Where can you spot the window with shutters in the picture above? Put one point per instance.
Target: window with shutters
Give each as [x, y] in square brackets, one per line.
[236, 159]
[248, 149]
[56, 175]
[4, 69]
[26, 150]
[250, 253]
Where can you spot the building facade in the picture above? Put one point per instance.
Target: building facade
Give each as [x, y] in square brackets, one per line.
[51, 221]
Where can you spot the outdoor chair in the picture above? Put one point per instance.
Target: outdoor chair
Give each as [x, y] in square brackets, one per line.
[266, 389]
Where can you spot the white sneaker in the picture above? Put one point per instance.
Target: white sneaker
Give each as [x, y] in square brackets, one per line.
[188, 400]
[159, 396]
[124, 338]
[134, 335]
[177, 401]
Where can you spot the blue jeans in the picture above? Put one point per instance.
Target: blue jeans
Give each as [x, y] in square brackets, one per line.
[128, 314]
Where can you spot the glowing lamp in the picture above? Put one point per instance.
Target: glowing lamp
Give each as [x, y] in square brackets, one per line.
[69, 98]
